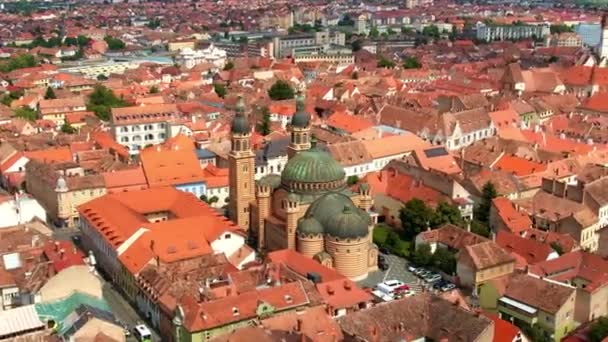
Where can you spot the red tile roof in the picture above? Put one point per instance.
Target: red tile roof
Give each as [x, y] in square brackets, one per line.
[62, 254]
[516, 221]
[503, 331]
[51, 155]
[518, 166]
[587, 266]
[171, 166]
[402, 187]
[348, 123]
[531, 250]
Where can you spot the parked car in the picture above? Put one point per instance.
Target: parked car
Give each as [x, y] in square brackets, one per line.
[412, 269]
[432, 277]
[381, 258]
[383, 265]
[438, 285]
[419, 271]
[385, 250]
[448, 287]
[424, 273]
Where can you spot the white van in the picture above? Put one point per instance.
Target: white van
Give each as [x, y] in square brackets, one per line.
[142, 333]
[389, 287]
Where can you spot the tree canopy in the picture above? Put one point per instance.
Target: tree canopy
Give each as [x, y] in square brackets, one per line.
[446, 213]
[18, 62]
[281, 90]
[384, 62]
[102, 100]
[220, 90]
[229, 66]
[599, 330]
[50, 94]
[114, 43]
[422, 255]
[264, 125]
[414, 216]
[431, 31]
[67, 128]
[411, 62]
[482, 211]
[26, 113]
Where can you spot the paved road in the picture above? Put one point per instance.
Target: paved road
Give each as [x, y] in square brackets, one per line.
[123, 311]
[397, 271]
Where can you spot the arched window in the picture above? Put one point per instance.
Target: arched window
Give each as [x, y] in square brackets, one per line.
[124, 129]
[149, 137]
[124, 139]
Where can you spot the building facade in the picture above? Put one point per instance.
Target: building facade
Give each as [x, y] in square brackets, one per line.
[308, 207]
[140, 126]
[490, 33]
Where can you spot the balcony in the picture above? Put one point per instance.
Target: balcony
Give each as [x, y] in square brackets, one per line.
[518, 310]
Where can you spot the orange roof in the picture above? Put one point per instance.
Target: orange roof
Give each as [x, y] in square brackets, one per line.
[215, 177]
[121, 220]
[180, 142]
[554, 143]
[516, 221]
[597, 102]
[171, 167]
[105, 140]
[125, 178]
[531, 250]
[518, 166]
[505, 118]
[503, 331]
[349, 123]
[284, 108]
[302, 265]
[402, 187]
[51, 155]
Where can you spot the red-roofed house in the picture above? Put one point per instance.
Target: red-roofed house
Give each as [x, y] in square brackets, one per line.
[345, 123]
[588, 273]
[531, 250]
[504, 216]
[505, 331]
[341, 294]
[62, 254]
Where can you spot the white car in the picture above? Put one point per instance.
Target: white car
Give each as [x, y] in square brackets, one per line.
[412, 269]
[433, 277]
[448, 287]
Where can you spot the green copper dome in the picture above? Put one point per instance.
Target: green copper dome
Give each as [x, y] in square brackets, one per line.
[240, 124]
[339, 216]
[301, 118]
[309, 226]
[312, 166]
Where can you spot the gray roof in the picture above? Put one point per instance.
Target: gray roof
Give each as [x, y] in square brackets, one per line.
[273, 149]
[204, 153]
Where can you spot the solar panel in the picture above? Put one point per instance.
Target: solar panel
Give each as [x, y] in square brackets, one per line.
[12, 261]
[435, 152]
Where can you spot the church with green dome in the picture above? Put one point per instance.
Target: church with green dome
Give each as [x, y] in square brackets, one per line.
[310, 208]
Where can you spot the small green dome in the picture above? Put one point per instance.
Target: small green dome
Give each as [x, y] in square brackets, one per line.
[339, 216]
[273, 181]
[312, 166]
[347, 224]
[301, 118]
[240, 124]
[309, 226]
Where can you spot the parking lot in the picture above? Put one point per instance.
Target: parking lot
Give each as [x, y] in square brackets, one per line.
[397, 271]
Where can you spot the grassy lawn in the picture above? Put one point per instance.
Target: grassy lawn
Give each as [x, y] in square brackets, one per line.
[385, 236]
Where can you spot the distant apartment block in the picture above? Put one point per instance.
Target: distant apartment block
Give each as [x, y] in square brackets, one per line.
[139, 126]
[283, 46]
[508, 32]
[189, 58]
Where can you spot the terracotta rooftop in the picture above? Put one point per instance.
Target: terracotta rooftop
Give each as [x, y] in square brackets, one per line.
[544, 295]
[174, 166]
[516, 221]
[488, 254]
[452, 236]
[412, 318]
[531, 250]
[580, 265]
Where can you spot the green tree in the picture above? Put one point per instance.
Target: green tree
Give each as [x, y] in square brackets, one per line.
[431, 31]
[102, 77]
[83, 40]
[560, 28]
[391, 32]
[352, 180]
[407, 30]
[67, 128]
[415, 216]
[444, 260]
[153, 89]
[385, 63]
[599, 330]
[18, 62]
[346, 21]
[114, 43]
[26, 113]
[281, 90]
[10, 97]
[557, 247]
[411, 62]
[153, 24]
[229, 66]
[220, 90]
[204, 198]
[480, 228]
[374, 33]
[446, 213]
[535, 333]
[50, 94]
[243, 40]
[356, 45]
[264, 125]
[422, 255]
[102, 100]
[482, 211]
